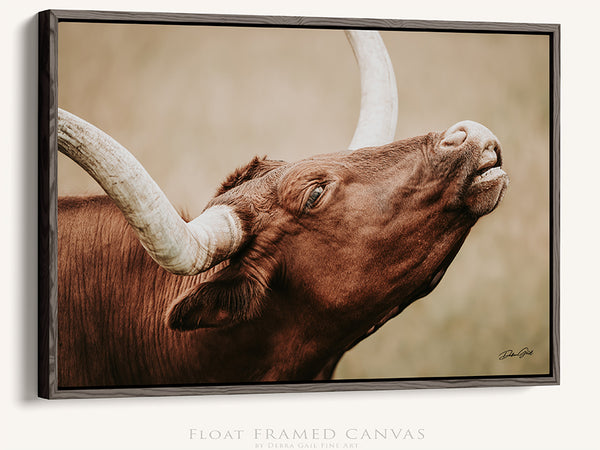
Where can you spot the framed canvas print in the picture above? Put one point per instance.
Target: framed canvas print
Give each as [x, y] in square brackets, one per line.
[245, 204]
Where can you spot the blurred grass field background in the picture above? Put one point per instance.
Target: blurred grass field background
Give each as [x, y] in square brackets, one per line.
[193, 103]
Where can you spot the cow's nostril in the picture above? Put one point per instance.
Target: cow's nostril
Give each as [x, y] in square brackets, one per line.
[454, 139]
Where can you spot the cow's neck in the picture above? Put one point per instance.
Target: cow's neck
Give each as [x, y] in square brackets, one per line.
[279, 346]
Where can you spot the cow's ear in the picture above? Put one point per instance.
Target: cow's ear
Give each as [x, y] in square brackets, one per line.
[254, 169]
[221, 301]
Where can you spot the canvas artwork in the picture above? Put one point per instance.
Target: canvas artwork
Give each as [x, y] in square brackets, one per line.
[245, 205]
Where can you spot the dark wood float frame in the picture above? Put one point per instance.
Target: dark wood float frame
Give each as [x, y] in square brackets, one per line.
[47, 203]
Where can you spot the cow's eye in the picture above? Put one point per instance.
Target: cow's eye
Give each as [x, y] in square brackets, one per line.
[313, 197]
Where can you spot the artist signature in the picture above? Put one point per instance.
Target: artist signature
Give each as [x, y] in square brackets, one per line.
[510, 354]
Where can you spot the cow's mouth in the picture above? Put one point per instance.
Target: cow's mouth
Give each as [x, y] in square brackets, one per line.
[490, 164]
[489, 183]
[489, 175]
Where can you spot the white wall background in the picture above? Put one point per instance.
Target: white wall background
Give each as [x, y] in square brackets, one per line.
[543, 417]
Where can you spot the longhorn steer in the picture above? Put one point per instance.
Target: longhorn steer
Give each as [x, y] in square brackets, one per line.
[288, 267]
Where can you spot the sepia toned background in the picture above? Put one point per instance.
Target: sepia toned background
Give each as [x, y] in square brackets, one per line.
[192, 103]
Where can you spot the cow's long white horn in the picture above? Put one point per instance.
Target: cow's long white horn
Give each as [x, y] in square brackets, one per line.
[379, 95]
[179, 247]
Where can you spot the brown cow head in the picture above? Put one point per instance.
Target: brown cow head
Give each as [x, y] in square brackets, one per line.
[361, 234]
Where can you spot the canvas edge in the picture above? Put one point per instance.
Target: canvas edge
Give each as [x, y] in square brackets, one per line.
[47, 198]
[555, 201]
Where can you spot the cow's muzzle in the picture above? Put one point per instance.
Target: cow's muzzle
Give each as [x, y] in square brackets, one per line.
[488, 181]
